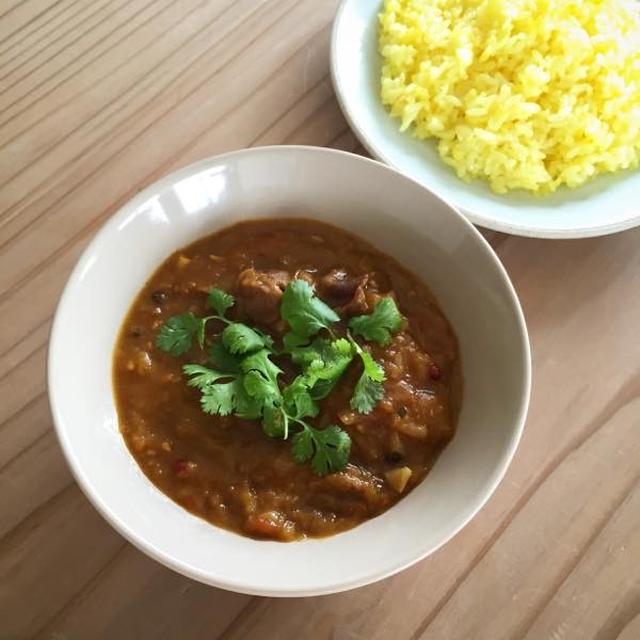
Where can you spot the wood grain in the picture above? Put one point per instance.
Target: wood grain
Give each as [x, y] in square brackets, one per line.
[100, 97]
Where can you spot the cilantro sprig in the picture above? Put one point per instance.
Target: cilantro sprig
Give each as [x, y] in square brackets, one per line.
[369, 389]
[243, 379]
[305, 313]
[379, 325]
[254, 392]
[327, 449]
[178, 334]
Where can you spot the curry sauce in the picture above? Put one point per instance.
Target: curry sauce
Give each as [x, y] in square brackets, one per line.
[224, 468]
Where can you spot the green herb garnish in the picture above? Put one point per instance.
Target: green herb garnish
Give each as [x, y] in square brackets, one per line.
[178, 333]
[244, 379]
[328, 449]
[368, 390]
[239, 338]
[379, 325]
[222, 358]
[304, 312]
[220, 301]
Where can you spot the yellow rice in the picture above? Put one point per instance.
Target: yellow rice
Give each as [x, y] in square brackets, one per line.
[527, 94]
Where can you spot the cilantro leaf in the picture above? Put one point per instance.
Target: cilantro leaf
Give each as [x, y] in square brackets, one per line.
[201, 377]
[302, 446]
[323, 362]
[230, 397]
[260, 381]
[275, 422]
[368, 390]
[247, 407]
[328, 449]
[335, 357]
[305, 356]
[297, 398]
[366, 394]
[324, 359]
[260, 362]
[292, 340]
[371, 368]
[379, 325]
[177, 334]
[253, 393]
[222, 358]
[239, 338]
[220, 301]
[219, 399]
[322, 388]
[333, 446]
[304, 312]
[257, 386]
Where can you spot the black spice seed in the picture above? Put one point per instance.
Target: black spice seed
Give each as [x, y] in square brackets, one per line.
[393, 457]
[401, 411]
[136, 332]
[159, 297]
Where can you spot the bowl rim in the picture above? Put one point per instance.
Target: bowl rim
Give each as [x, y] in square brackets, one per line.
[473, 215]
[121, 526]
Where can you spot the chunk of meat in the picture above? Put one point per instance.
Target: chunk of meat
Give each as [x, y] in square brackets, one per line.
[344, 293]
[260, 292]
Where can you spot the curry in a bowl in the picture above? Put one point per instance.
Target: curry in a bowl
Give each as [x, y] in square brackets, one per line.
[284, 379]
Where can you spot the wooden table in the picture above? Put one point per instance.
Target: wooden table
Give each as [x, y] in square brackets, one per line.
[101, 97]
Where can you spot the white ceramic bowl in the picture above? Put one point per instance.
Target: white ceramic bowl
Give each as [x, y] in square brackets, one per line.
[365, 197]
[606, 205]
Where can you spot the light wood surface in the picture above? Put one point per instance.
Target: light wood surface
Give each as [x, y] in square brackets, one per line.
[100, 97]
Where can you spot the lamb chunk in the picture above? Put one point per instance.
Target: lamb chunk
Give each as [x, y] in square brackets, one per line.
[339, 287]
[345, 293]
[260, 293]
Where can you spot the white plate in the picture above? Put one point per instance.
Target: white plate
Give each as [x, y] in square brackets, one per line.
[606, 205]
[362, 196]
